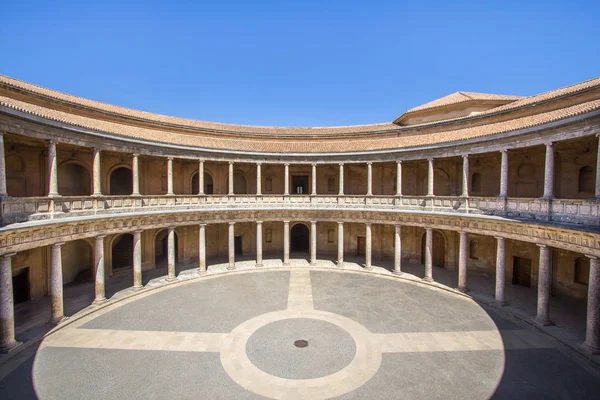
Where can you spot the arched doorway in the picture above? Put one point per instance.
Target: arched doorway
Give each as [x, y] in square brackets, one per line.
[121, 181]
[122, 251]
[439, 249]
[73, 180]
[208, 183]
[161, 248]
[299, 238]
[239, 183]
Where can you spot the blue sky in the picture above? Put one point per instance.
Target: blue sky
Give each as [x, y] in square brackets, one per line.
[305, 63]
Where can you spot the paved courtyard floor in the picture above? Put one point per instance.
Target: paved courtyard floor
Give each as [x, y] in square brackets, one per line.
[296, 332]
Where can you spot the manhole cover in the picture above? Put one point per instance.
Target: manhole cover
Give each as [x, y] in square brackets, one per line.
[301, 343]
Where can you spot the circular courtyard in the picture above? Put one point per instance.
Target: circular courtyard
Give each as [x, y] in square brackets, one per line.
[299, 333]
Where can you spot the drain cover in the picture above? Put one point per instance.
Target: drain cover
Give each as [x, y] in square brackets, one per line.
[301, 343]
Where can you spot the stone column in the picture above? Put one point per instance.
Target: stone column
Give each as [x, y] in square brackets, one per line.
[544, 281]
[428, 255]
[137, 260]
[286, 243]
[286, 179]
[100, 291]
[52, 169]
[341, 191]
[340, 257]
[598, 169]
[136, 175]
[56, 284]
[171, 254]
[313, 190]
[259, 243]
[430, 177]
[462, 262]
[369, 179]
[398, 178]
[592, 331]
[3, 192]
[549, 172]
[231, 247]
[7, 309]
[97, 172]
[201, 248]
[465, 176]
[504, 174]
[368, 238]
[170, 176]
[258, 179]
[201, 177]
[230, 192]
[500, 270]
[398, 249]
[313, 242]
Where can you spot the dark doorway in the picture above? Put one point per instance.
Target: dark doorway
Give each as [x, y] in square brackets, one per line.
[121, 181]
[439, 250]
[237, 245]
[73, 180]
[299, 238]
[299, 184]
[208, 184]
[521, 271]
[21, 286]
[122, 251]
[361, 243]
[161, 248]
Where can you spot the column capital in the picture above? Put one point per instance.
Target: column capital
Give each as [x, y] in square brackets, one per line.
[57, 245]
[259, 163]
[258, 222]
[171, 228]
[504, 151]
[286, 164]
[135, 155]
[428, 228]
[313, 164]
[500, 238]
[465, 156]
[340, 223]
[592, 258]
[230, 162]
[286, 222]
[430, 159]
[201, 160]
[8, 255]
[231, 223]
[51, 141]
[96, 150]
[341, 164]
[313, 222]
[138, 231]
[170, 158]
[463, 232]
[542, 246]
[100, 237]
[549, 144]
[369, 163]
[399, 162]
[368, 224]
[202, 225]
[398, 226]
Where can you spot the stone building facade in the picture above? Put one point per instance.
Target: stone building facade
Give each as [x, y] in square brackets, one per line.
[502, 185]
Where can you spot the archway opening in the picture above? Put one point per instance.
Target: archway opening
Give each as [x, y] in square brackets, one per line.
[208, 183]
[299, 238]
[73, 180]
[439, 250]
[122, 251]
[161, 248]
[121, 181]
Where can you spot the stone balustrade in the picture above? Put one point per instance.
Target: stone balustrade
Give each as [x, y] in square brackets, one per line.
[22, 209]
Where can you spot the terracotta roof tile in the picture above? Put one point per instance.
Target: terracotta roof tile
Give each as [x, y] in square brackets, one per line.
[461, 97]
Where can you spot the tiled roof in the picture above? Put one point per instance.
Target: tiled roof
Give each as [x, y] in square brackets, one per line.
[461, 97]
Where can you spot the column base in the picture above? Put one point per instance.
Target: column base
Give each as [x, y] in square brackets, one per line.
[397, 273]
[428, 279]
[542, 322]
[200, 271]
[286, 264]
[230, 267]
[7, 348]
[58, 320]
[171, 279]
[547, 198]
[590, 350]
[258, 265]
[313, 263]
[99, 301]
[368, 268]
[462, 289]
[500, 303]
[137, 288]
[340, 263]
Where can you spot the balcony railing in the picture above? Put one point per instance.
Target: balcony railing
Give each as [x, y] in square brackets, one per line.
[22, 209]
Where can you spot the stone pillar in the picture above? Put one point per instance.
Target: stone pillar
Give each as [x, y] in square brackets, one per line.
[341, 191]
[201, 177]
[313, 190]
[170, 176]
[201, 248]
[465, 176]
[100, 291]
[428, 255]
[231, 247]
[52, 169]
[258, 179]
[286, 243]
[398, 178]
[136, 175]
[259, 243]
[430, 177]
[549, 172]
[504, 174]
[230, 191]
[462, 262]
[544, 281]
[369, 179]
[137, 260]
[313, 242]
[598, 169]
[500, 270]
[7, 309]
[3, 192]
[286, 179]
[97, 174]
[368, 238]
[56, 284]
[398, 249]
[171, 254]
[592, 331]
[340, 257]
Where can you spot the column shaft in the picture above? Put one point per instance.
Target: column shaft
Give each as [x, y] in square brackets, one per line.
[465, 176]
[136, 175]
[549, 172]
[313, 242]
[341, 180]
[3, 191]
[137, 260]
[428, 255]
[397, 249]
[286, 179]
[368, 237]
[544, 281]
[462, 262]
[100, 292]
[56, 284]
[52, 169]
[170, 175]
[398, 178]
[231, 247]
[258, 179]
[592, 331]
[504, 174]
[230, 191]
[171, 254]
[430, 177]
[340, 257]
[259, 243]
[286, 243]
[201, 177]
[369, 179]
[598, 169]
[313, 190]
[97, 172]
[500, 270]
[7, 309]
[202, 248]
